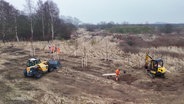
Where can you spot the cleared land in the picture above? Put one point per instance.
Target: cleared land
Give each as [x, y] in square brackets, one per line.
[73, 84]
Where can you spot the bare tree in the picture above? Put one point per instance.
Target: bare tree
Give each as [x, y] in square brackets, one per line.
[48, 16]
[16, 32]
[53, 13]
[106, 50]
[76, 44]
[2, 20]
[84, 57]
[40, 4]
[30, 10]
[15, 20]
[51, 21]
[7, 20]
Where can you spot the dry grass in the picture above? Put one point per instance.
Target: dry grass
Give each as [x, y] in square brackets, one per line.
[168, 47]
[129, 50]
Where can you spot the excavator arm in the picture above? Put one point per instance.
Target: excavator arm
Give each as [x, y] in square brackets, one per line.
[147, 60]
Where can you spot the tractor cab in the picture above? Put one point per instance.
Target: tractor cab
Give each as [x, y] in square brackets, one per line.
[33, 62]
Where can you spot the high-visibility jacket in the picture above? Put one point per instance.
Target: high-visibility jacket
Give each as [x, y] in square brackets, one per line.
[58, 50]
[52, 49]
[117, 72]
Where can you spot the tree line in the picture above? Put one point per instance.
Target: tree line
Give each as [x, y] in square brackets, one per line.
[136, 28]
[40, 22]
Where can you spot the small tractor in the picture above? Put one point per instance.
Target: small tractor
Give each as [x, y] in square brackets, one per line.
[155, 67]
[36, 67]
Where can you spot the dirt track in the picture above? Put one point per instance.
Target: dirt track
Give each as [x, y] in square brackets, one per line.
[76, 85]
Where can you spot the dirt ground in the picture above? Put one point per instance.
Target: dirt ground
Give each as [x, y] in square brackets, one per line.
[73, 84]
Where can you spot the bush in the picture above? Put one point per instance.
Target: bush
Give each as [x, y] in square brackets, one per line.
[167, 28]
[133, 43]
[131, 29]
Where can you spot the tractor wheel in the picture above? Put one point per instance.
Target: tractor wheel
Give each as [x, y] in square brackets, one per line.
[59, 65]
[38, 74]
[162, 75]
[146, 67]
[50, 69]
[25, 72]
[151, 75]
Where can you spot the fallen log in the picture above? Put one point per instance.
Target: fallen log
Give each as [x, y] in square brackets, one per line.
[109, 74]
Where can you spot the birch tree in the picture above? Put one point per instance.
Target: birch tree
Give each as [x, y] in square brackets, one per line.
[2, 20]
[15, 22]
[54, 13]
[41, 14]
[30, 11]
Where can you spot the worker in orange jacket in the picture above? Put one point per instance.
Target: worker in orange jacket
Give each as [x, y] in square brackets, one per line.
[58, 51]
[53, 49]
[117, 74]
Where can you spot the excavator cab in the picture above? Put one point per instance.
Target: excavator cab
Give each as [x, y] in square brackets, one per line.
[155, 64]
[156, 68]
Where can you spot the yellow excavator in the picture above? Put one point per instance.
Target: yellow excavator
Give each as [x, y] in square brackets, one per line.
[155, 67]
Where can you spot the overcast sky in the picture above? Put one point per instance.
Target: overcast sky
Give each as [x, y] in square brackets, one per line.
[132, 11]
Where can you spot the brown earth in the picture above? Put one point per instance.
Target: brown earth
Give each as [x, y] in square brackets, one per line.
[73, 84]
